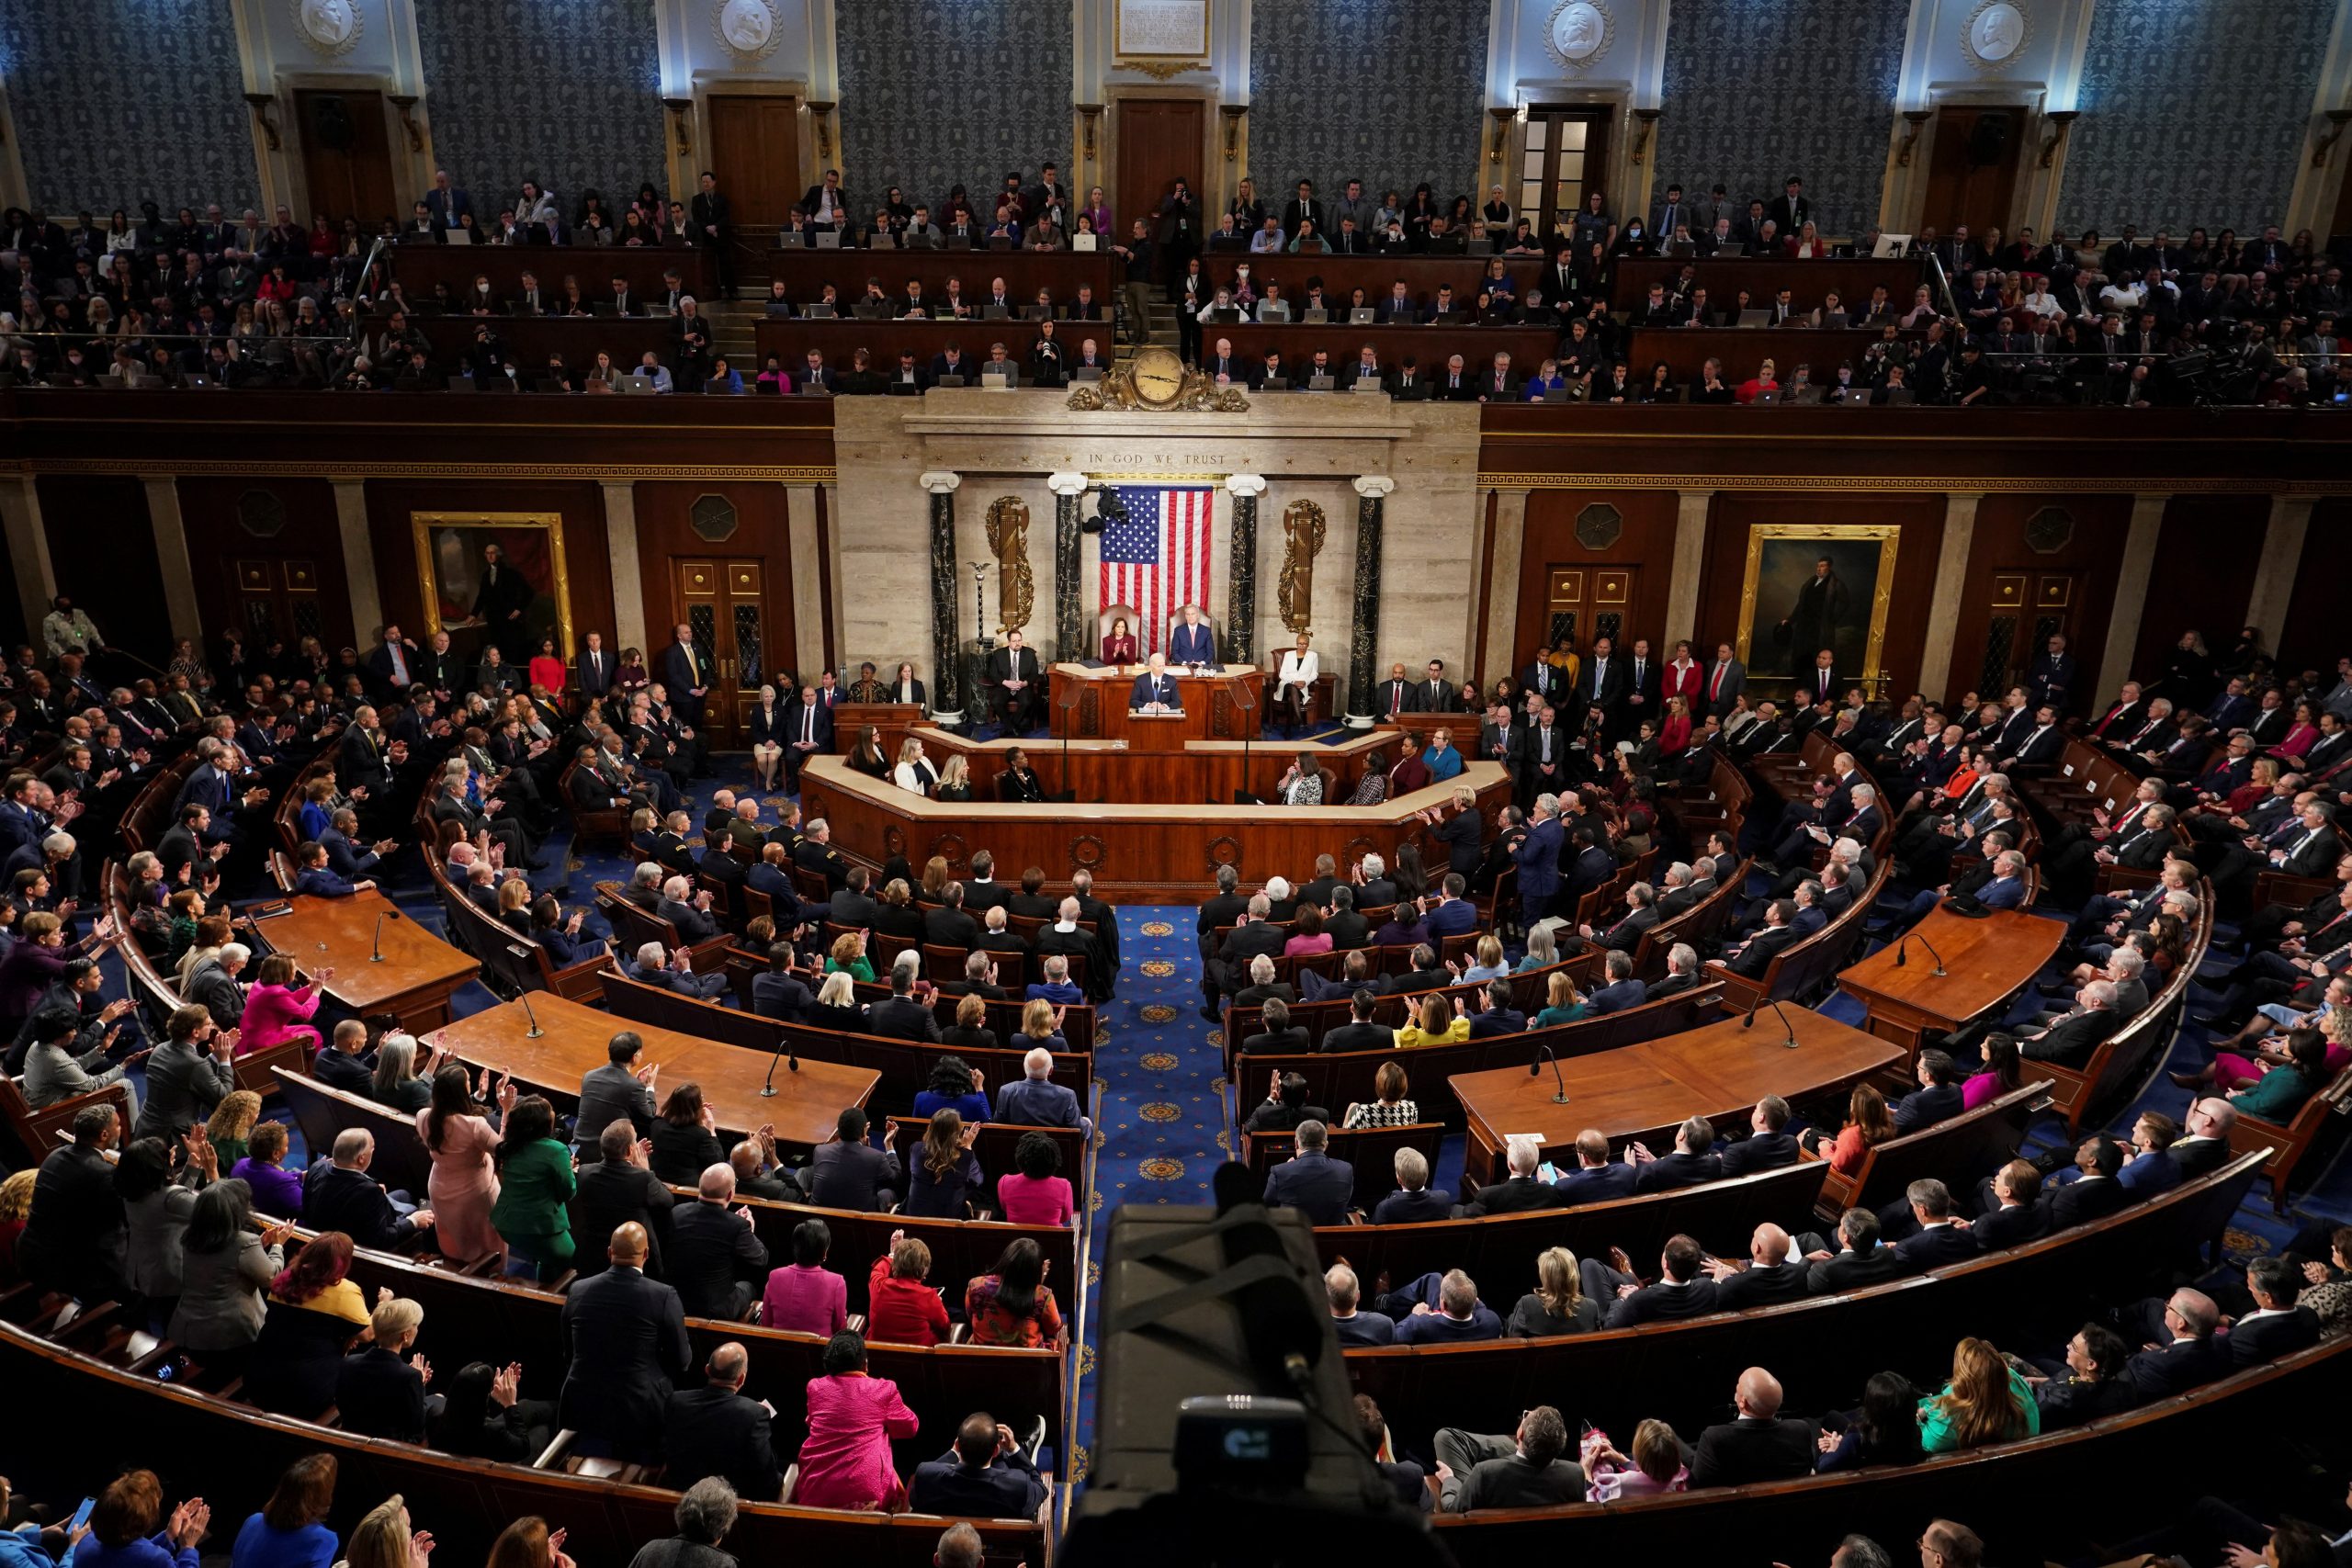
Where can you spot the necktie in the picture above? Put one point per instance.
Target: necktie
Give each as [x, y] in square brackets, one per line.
[809, 728]
[1716, 689]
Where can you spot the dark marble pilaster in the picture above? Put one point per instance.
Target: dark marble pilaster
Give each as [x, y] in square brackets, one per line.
[1363, 641]
[1070, 637]
[1241, 589]
[946, 639]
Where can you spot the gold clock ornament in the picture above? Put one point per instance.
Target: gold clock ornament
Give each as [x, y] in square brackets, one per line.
[1156, 379]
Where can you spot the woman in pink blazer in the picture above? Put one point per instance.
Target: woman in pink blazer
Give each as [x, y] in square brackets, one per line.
[845, 1463]
[277, 1009]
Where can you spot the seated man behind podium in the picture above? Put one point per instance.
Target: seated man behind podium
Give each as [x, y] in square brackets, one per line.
[1017, 678]
[1155, 690]
[1193, 642]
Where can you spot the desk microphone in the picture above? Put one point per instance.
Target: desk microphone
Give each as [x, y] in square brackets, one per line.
[534, 1032]
[1903, 955]
[377, 957]
[783, 1044]
[1787, 1028]
[1535, 1068]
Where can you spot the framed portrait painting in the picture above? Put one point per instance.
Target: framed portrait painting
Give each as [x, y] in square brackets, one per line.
[499, 575]
[1810, 587]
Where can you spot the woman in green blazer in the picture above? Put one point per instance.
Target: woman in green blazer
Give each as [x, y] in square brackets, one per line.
[1986, 1402]
[535, 1185]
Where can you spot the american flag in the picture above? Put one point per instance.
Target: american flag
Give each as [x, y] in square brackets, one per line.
[1156, 554]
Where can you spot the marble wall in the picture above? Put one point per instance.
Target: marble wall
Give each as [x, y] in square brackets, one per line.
[1757, 90]
[2192, 113]
[564, 92]
[117, 104]
[1389, 91]
[941, 93]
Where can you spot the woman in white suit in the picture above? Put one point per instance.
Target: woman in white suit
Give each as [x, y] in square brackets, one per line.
[767, 746]
[1294, 684]
[913, 773]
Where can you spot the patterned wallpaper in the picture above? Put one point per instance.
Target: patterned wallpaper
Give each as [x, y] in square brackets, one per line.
[117, 104]
[1392, 91]
[564, 92]
[941, 93]
[2135, 157]
[1757, 90]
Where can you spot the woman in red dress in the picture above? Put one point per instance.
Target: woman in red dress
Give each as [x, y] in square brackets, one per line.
[1119, 647]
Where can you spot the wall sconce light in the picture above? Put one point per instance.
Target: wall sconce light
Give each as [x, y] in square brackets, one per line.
[2060, 121]
[1916, 121]
[823, 111]
[1644, 125]
[681, 121]
[405, 103]
[1503, 118]
[1087, 115]
[1233, 114]
[2336, 120]
[262, 103]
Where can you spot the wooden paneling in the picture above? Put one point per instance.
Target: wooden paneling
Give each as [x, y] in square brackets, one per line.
[103, 550]
[1644, 549]
[1160, 142]
[418, 267]
[347, 157]
[762, 536]
[2092, 549]
[1961, 187]
[2314, 639]
[1686, 351]
[1765, 277]
[308, 537]
[587, 560]
[1921, 518]
[755, 152]
[2206, 558]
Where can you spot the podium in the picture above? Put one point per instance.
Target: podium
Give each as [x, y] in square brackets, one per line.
[1209, 712]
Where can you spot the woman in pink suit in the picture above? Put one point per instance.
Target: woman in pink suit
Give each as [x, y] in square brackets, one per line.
[277, 1009]
[464, 1183]
[845, 1463]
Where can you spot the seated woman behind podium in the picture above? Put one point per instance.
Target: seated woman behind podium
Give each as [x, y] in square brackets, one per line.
[1119, 647]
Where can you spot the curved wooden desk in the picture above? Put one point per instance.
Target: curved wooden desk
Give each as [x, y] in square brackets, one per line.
[1985, 961]
[1209, 714]
[419, 970]
[1138, 853]
[1205, 772]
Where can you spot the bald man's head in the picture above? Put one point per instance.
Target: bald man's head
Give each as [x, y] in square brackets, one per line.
[1770, 1245]
[626, 1248]
[1759, 1394]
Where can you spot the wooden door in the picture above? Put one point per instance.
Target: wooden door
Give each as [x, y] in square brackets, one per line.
[1582, 602]
[347, 157]
[277, 596]
[1566, 155]
[1159, 143]
[2030, 606]
[1972, 173]
[755, 152]
[725, 603]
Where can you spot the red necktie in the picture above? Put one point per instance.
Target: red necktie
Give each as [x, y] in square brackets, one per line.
[1715, 691]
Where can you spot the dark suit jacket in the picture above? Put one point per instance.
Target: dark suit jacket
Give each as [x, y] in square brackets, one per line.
[1517, 1195]
[1849, 1271]
[2012, 1226]
[2253, 1342]
[713, 1430]
[1749, 1449]
[1515, 1483]
[903, 1018]
[611, 1194]
[1405, 1208]
[1935, 1247]
[1676, 1170]
[2079, 1203]
[1008, 1487]
[850, 1176]
[710, 1249]
[1764, 1151]
[1317, 1185]
[1665, 1302]
[623, 1342]
[378, 1394]
[1761, 1286]
[2174, 1368]
[1597, 1184]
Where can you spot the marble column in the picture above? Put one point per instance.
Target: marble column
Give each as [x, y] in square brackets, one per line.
[628, 570]
[946, 641]
[1943, 609]
[2130, 593]
[808, 599]
[2282, 556]
[1690, 510]
[1241, 586]
[28, 560]
[1501, 630]
[360, 563]
[1069, 606]
[1363, 641]
[171, 554]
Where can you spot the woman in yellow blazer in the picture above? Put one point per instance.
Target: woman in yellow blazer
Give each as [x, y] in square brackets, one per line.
[1434, 1025]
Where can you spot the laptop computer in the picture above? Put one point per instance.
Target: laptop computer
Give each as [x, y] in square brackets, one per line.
[957, 241]
[898, 388]
[994, 313]
[546, 384]
[636, 381]
[1834, 319]
[1036, 312]
[1755, 319]
[998, 381]
[1223, 318]
[881, 240]
[999, 242]
[1766, 398]
[1891, 245]
[1447, 318]
[1361, 316]
[459, 383]
[1086, 373]
[1482, 247]
[1274, 384]
[779, 308]
[828, 240]
[460, 237]
[1317, 317]
[950, 382]
[1085, 241]
[788, 240]
[1366, 384]
[1321, 383]
[720, 388]
[1897, 396]
[1555, 394]
[820, 311]
[660, 309]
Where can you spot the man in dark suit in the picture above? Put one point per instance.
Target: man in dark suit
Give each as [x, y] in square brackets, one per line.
[1790, 210]
[624, 1339]
[716, 1261]
[1938, 1098]
[900, 1015]
[2094, 1194]
[593, 668]
[850, 1173]
[2015, 1215]
[1311, 1181]
[1414, 1199]
[1520, 1192]
[715, 1430]
[686, 674]
[1752, 957]
[985, 1475]
[2178, 1336]
[1726, 681]
[1692, 1161]
[1933, 1240]
[1759, 1445]
[2071, 1040]
[1597, 1178]
[622, 1089]
[1522, 1471]
[1016, 684]
[1538, 859]
[1768, 1146]
[1602, 684]
[2279, 1325]
[1859, 1261]
[615, 1190]
[1772, 1277]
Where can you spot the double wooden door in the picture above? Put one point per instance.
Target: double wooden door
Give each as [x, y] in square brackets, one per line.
[2030, 606]
[755, 152]
[1972, 173]
[1582, 602]
[346, 155]
[1160, 141]
[740, 644]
